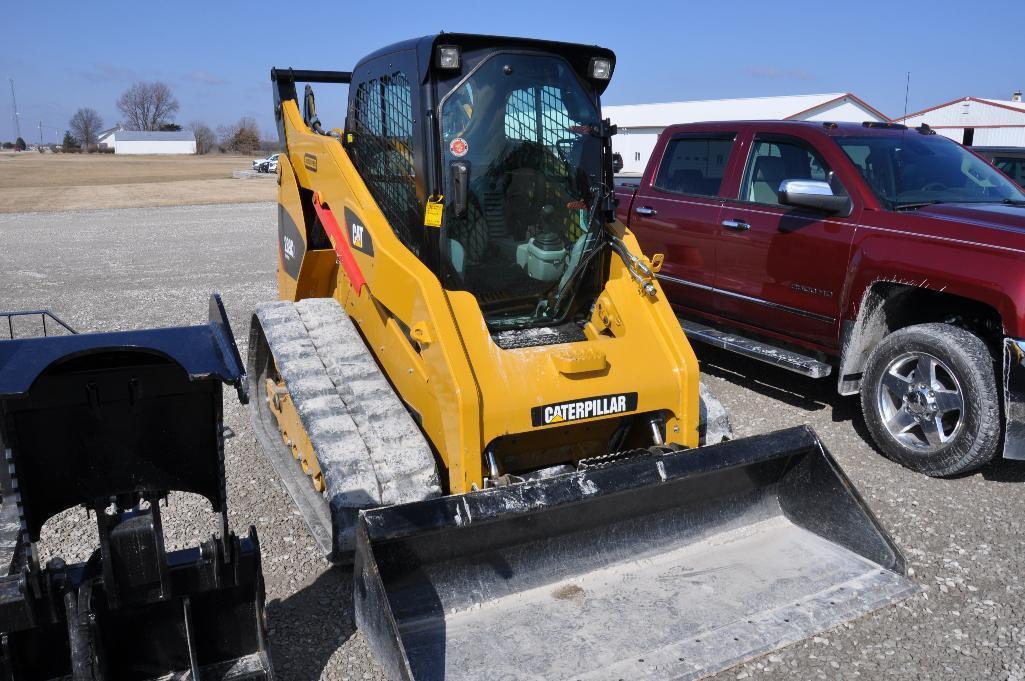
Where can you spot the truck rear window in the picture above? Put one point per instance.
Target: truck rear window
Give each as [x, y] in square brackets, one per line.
[694, 165]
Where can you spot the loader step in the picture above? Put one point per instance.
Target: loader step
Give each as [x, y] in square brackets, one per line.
[763, 352]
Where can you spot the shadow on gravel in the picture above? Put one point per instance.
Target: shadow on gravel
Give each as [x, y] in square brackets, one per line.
[793, 389]
[1004, 470]
[778, 384]
[310, 625]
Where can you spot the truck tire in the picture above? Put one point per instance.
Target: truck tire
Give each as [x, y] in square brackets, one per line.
[930, 399]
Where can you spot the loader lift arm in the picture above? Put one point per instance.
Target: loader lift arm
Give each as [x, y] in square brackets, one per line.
[283, 81]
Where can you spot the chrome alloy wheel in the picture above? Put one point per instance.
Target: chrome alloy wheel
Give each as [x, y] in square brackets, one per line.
[921, 401]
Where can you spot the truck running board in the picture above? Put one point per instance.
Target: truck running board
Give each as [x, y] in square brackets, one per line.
[661, 567]
[763, 352]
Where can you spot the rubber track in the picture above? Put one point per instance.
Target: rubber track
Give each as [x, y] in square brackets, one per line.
[358, 454]
[402, 459]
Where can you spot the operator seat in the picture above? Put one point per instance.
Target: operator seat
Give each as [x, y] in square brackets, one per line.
[769, 172]
[687, 181]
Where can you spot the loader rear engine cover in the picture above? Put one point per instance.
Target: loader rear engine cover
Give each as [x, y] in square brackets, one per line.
[114, 422]
[460, 314]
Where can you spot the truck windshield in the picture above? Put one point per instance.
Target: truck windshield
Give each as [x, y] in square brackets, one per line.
[522, 126]
[911, 169]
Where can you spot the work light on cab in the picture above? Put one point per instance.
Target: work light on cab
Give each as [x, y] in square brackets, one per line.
[600, 68]
[448, 57]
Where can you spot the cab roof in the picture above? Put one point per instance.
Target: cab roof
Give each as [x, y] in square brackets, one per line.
[578, 55]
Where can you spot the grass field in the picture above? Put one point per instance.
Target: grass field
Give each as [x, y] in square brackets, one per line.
[53, 182]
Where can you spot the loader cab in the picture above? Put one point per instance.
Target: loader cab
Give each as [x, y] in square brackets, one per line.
[487, 156]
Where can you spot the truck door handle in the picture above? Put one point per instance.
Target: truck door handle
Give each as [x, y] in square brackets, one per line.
[737, 225]
[645, 210]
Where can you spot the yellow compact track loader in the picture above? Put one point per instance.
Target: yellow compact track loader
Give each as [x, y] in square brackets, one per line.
[475, 390]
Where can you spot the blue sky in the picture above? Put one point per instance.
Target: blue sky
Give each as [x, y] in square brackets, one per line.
[216, 55]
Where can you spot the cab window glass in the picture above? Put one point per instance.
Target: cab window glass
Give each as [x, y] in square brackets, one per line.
[694, 165]
[773, 161]
[519, 136]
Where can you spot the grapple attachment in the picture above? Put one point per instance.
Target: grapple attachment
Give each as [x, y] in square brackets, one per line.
[663, 567]
[114, 422]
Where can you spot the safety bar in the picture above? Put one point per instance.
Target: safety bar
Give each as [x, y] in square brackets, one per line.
[308, 76]
[28, 313]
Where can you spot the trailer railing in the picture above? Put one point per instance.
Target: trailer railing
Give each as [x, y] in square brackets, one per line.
[42, 314]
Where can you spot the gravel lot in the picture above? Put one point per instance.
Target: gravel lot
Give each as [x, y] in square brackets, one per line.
[130, 268]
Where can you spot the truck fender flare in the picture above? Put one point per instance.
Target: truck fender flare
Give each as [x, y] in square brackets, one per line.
[888, 305]
[860, 335]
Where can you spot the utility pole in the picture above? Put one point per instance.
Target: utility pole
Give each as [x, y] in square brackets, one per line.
[40, 133]
[14, 105]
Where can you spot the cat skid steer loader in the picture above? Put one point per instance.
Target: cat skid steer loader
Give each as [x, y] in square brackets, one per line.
[475, 390]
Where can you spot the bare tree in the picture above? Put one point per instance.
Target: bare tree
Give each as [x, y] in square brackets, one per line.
[85, 126]
[241, 138]
[205, 138]
[147, 106]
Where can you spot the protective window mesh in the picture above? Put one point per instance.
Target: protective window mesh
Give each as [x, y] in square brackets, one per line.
[526, 109]
[383, 152]
[539, 115]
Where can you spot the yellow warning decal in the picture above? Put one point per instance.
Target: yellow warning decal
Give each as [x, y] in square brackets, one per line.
[434, 211]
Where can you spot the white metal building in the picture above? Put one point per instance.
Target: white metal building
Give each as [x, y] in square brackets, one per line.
[640, 124]
[146, 142]
[974, 121]
[105, 139]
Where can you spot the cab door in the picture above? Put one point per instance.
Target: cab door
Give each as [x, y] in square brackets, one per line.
[782, 268]
[677, 213]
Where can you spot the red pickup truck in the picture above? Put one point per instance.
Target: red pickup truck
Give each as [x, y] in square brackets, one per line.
[892, 258]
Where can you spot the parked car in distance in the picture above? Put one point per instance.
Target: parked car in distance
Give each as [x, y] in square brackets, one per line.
[892, 258]
[266, 165]
[1010, 160]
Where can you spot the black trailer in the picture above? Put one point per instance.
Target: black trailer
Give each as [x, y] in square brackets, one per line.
[114, 422]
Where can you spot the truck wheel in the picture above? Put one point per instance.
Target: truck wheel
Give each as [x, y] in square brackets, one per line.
[929, 395]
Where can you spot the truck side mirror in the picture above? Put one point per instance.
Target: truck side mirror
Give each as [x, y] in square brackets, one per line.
[814, 194]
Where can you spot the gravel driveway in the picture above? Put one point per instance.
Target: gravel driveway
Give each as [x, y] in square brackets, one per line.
[131, 268]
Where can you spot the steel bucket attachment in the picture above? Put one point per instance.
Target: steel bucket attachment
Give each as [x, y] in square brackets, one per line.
[662, 567]
[114, 422]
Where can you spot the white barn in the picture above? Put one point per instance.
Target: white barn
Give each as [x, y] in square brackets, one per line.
[105, 140]
[640, 124]
[974, 121]
[151, 142]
